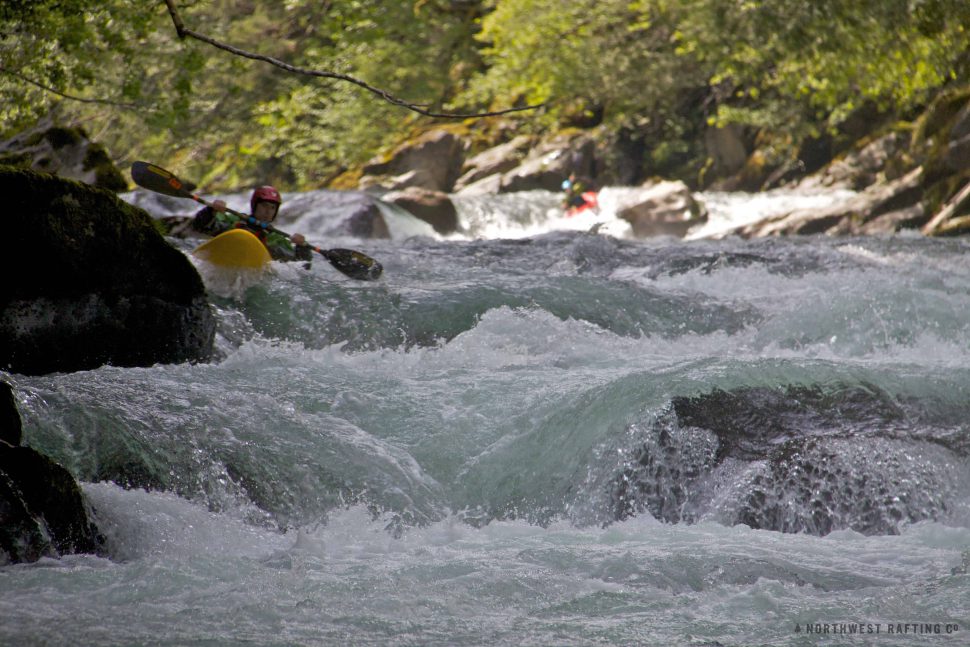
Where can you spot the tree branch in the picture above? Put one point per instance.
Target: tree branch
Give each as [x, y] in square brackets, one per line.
[106, 102]
[183, 31]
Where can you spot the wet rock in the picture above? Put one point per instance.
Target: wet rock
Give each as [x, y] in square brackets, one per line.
[800, 459]
[96, 283]
[336, 213]
[433, 207]
[42, 510]
[11, 429]
[855, 215]
[819, 485]
[661, 209]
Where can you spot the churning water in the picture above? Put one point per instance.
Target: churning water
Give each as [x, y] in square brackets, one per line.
[551, 438]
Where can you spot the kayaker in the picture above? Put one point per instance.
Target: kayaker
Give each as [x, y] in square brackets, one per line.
[574, 189]
[264, 205]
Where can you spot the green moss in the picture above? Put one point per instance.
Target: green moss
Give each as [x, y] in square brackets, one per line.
[22, 160]
[938, 118]
[86, 239]
[106, 174]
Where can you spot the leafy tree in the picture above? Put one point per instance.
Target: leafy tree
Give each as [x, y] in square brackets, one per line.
[806, 66]
[661, 71]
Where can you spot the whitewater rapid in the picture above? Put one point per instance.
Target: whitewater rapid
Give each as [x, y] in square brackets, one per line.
[555, 437]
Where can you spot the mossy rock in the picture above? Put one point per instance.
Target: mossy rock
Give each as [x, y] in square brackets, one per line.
[106, 174]
[63, 151]
[91, 281]
[61, 137]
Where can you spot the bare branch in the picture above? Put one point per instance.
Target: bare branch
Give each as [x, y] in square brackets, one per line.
[106, 102]
[183, 31]
[939, 221]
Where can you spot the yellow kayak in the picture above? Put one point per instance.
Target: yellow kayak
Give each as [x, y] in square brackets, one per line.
[236, 248]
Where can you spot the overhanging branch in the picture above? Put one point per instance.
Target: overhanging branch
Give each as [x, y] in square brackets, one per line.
[106, 102]
[184, 31]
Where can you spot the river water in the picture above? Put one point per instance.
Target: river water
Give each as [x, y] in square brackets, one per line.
[528, 434]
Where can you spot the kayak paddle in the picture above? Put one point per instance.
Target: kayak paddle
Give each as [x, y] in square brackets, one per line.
[354, 264]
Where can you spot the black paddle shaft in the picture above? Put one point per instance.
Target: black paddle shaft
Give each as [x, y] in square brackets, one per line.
[354, 264]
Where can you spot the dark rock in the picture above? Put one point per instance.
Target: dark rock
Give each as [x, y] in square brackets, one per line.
[366, 222]
[620, 158]
[11, 428]
[750, 422]
[957, 156]
[42, 510]
[95, 283]
[818, 485]
[799, 459]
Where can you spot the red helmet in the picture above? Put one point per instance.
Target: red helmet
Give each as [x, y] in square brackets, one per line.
[265, 194]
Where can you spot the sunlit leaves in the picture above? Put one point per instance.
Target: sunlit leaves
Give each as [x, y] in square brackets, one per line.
[662, 70]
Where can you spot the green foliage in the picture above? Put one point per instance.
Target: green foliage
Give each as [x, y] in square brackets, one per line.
[802, 66]
[663, 70]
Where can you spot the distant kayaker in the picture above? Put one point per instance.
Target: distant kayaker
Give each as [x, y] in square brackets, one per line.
[573, 189]
[264, 205]
[577, 194]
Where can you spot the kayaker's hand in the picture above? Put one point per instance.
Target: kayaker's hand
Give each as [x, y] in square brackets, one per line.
[219, 205]
[298, 239]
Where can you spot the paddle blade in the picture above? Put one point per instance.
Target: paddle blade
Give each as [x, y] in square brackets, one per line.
[354, 264]
[155, 178]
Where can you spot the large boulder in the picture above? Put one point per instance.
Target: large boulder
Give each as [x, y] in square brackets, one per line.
[63, 151]
[90, 281]
[794, 460]
[336, 213]
[42, 509]
[432, 161]
[494, 161]
[552, 161]
[881, 208]
[526, 165]
[859, 169]
[661, 209]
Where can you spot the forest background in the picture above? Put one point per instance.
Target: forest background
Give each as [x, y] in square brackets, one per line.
[653, 76]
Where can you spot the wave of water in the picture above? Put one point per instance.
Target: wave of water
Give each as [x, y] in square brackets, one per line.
[563, 438]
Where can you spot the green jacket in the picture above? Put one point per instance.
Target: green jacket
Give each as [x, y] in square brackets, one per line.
[212, 222]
